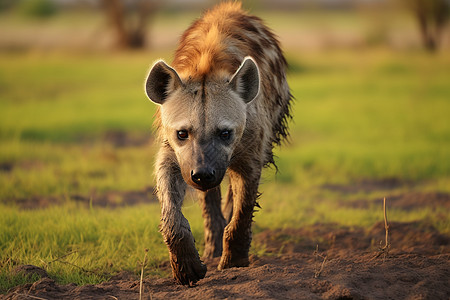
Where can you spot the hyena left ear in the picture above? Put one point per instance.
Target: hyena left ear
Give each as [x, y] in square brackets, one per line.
[246, 80]
[161, 81]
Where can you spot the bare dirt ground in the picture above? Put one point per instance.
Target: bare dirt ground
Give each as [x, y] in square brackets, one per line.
[322, 261]
[416, 267]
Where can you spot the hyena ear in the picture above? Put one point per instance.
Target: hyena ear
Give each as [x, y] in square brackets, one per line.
[246, 80]
[161, 81]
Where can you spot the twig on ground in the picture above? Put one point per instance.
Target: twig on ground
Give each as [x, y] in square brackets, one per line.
[78, 267]
[386, 226]
[318, 270]
[56, 259]
[65, 255]
[59, 259]
[29, 296]
[141, 285]
[384, 250]
[31, 288]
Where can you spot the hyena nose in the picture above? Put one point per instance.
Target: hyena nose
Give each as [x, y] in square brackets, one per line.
[202, 176]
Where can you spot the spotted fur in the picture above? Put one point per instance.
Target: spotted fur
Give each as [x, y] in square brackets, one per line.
[216, 44]
[230, 53]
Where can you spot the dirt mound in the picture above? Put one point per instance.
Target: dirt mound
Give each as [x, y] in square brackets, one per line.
[344, 267]
[367, 185]
[409, 237]
[413, 200]
[30, 270]
[408, 201]
[353, 276]
[111, 199]
[120, 138]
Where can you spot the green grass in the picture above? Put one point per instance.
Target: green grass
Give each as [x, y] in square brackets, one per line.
[358, 116]
[364, 119]
[70, 240]
[56, 113]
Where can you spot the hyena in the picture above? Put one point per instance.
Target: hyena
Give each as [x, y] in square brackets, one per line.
[224, 103]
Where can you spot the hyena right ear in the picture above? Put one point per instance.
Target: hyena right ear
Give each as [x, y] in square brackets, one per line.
[246, 80]
[161, 81]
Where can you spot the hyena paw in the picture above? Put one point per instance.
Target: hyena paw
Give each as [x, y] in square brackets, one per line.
[187, 271]
[227, 261]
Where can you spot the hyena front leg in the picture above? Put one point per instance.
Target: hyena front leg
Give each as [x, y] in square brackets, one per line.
[213, 220]
[187, 268]
[237, 235]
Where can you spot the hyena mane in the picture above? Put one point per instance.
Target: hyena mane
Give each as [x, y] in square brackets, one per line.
[215, 45]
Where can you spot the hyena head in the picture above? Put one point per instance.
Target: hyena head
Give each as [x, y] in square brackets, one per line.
[203, 120]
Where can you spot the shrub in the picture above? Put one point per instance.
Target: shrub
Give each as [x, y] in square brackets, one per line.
[41, 9]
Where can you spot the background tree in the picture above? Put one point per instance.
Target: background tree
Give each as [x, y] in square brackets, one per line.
[129, 20]
[432, 16]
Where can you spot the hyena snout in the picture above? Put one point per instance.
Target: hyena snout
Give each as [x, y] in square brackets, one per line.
[203, 176]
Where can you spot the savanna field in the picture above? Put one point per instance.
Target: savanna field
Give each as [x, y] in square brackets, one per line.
[76, 170]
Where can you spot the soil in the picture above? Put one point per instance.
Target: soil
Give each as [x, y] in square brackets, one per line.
[110, 199]
[322, 261]
[317, 262]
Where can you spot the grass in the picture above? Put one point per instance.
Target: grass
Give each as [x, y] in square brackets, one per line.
[360, 116]
[57, 126]
[81, 245]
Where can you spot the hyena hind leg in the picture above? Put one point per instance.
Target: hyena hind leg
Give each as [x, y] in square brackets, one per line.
[228, 206]
[214, 222]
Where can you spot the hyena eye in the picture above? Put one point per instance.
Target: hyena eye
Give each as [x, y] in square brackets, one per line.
[225, 135]
[182, 134]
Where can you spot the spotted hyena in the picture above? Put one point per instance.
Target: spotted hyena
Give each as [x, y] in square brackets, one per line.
[223, 106]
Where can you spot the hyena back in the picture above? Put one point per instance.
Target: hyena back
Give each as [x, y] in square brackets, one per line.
[223, 105]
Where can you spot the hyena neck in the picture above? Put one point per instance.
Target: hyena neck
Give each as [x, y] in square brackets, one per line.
[209, 47]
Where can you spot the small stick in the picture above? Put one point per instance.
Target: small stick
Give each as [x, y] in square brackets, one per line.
[386, 226]
[59, 259]
[384, 250]
[317, 274]
[142, 275]
[316, 253]
[80, 268]
[30, 296]
[65, 255]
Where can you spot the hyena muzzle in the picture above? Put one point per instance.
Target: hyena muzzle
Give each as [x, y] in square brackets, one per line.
[224, 103]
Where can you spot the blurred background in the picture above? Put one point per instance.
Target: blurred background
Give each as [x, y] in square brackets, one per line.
[87, 25]
[371, 80]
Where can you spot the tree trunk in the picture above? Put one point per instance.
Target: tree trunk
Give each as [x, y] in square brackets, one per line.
[129, 34]
[432, 16]
[426, 30]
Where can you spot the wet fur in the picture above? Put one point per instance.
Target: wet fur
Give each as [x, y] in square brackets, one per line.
[209, 53]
